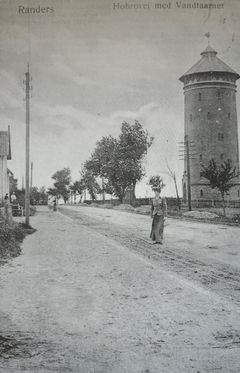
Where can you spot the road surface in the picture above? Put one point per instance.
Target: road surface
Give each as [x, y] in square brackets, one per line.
[89, 294]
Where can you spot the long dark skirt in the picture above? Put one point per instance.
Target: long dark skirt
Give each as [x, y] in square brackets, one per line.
[157, 228]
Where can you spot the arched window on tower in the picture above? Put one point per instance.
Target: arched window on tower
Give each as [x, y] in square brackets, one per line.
[190, 117]
[208, 115]
[199, 96]
[201, 193]
[218, 94]
[200, 157]
[222, 156]
[229, 115]
[220, 136]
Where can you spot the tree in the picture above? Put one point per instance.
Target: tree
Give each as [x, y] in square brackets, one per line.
[61, 185]
[172, 174]
[90, 183]
[13, 184]
[106, 187]
[53, 192]
[119, 161]
[20, 197]
[43, 197]
[220, 177]
[34, 196]
[77, 188]
[38, 196]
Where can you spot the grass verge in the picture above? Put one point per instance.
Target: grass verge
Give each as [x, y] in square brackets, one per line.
[11, 237]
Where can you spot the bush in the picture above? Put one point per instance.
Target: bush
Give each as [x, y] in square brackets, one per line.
[9, 246]
[11, 237]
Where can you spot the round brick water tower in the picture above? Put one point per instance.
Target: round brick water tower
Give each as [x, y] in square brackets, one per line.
[210, 123]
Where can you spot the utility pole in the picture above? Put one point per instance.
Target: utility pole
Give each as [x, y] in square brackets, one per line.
[27, 190]
[31, 182]
[188, 175]
[188, 152]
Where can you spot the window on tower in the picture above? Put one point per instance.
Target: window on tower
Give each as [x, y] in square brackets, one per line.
[220, 136]
[222, 156]
[201, 193]
[199, 96]
[218, 94]
[208, 115]
[200, 157]
[190, 117]
[229, 115]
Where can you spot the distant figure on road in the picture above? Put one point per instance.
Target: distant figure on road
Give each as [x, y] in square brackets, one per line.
[13, 197]
[158, 212]
[54, 205]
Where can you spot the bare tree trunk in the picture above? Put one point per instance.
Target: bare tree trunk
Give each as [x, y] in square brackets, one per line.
[103, 191]
[133, 191]
[224, 208]
[173, 176]
[176, 188]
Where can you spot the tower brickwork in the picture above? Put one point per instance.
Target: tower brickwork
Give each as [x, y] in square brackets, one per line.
[210, 122]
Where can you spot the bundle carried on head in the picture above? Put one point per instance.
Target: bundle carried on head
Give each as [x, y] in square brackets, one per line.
[156, 183]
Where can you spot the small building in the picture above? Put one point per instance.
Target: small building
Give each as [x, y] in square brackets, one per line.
[5, 155]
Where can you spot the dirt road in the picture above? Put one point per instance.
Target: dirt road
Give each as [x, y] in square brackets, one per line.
[206, 254]
[89, 294]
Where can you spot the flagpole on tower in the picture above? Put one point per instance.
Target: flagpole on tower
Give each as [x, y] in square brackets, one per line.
[208, 37]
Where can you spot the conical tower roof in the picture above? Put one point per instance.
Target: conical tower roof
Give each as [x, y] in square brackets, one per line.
[209, 63]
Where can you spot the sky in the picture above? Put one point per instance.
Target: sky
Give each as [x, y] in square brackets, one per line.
[93, 67]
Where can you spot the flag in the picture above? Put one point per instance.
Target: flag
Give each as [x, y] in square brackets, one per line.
[207, 35]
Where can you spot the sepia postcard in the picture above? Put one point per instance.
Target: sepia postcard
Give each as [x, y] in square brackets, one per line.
[119, 186]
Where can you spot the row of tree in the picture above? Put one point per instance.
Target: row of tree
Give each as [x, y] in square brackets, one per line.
[115, 165]
[62, 186]
[38, 196]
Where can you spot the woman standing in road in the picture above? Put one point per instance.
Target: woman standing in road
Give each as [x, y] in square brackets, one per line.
[158, 213]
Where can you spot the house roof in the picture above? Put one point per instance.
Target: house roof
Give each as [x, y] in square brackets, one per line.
[209, 62]
[5, 143]
[10, 172]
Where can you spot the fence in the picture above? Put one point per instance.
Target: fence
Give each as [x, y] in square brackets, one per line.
[215, 203]
[171, 201]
